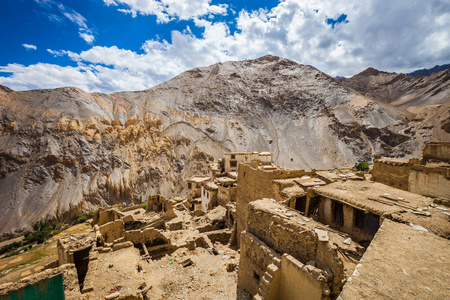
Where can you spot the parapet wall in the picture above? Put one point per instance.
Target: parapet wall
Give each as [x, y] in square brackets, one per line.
[436, 152]
[430, 181]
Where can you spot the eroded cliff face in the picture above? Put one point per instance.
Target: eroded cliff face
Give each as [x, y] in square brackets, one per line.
[63, 151]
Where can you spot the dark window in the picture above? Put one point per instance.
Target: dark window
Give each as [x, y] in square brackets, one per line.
[189, 185]
[338, 213]
[359, 219]
[233, 164]
[371, 223]
[367, 222]
[300, 204]
[233, 156]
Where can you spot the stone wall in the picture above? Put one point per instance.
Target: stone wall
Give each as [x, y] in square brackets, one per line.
[430, 181]
[253, 262]
[266, 228]
[391, 173]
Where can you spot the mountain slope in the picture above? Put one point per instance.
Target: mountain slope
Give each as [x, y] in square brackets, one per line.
[64, 151]
[401, 90]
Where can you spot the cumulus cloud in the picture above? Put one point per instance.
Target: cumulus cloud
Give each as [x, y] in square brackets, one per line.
[29, 47]
[384, 34]
[167, 10]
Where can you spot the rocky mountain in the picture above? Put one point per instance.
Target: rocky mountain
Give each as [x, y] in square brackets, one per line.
[436, 68]
[401, 90]
[65, 151]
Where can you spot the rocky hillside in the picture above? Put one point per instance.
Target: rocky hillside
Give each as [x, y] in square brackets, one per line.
[63, 151]
[402, 90]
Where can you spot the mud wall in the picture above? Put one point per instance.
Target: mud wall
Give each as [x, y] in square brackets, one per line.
[298, 281]
[349, 215]
[427, 181]
[436, 151]
[267, 228]
[253, 184]
[253, 262]
[226, 195]
[392, 174]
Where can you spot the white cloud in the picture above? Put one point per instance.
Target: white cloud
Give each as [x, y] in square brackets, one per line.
[89, 38]
[58, 12]
[167, 10]
[29, 47]
[384, 34]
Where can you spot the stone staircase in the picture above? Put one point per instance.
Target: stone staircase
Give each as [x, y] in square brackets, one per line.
[264, 284]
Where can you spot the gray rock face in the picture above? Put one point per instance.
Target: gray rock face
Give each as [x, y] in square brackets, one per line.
[64, 151]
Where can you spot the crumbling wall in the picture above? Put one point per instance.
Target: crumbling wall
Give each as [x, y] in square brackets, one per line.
[222, 236]
[392, 173]
[147, 236]
[226, 195]
[287, 235]
[106, 215]
[156, 203]
[299, 281]
[112, 231]
[430, 181]
[253, 262]
[253, 184]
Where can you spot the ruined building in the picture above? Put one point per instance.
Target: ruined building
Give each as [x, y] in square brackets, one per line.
[265, 232]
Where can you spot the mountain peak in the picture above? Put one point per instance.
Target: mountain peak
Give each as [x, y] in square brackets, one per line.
[370, 71]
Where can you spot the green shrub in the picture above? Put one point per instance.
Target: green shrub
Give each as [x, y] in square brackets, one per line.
[140, 199]
[41, 232]
[55, 232]
[10, 247]
[26, 248]
[145, 206]
[12, 254]
[81, 218]
[361, 166]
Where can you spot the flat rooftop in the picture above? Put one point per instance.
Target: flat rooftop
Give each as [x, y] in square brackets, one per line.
[225, 180]
[309, 181]
[401, 263]
[199, 179]
[372, 196]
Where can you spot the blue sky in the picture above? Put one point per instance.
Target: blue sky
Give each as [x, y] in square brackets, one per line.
[114, 45]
